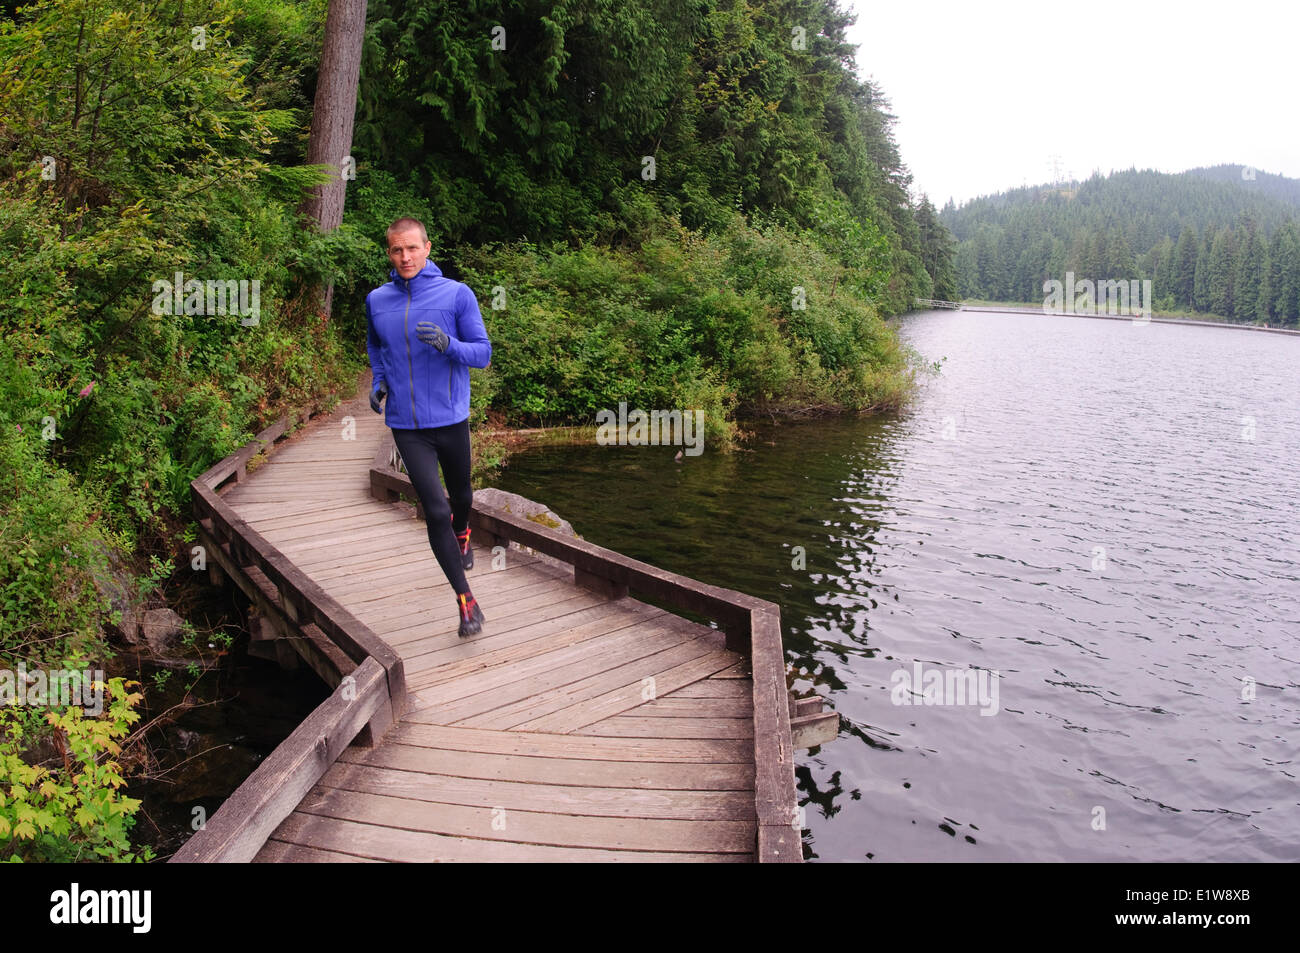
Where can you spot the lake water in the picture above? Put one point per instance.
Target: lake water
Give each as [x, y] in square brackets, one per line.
[1076, 556]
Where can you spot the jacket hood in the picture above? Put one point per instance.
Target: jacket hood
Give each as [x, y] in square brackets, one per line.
[430, 270]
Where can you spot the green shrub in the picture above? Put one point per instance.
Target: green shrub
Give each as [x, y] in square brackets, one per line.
[71, 811]
[687, 320]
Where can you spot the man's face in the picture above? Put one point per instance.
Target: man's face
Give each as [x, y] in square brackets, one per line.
[407, 253]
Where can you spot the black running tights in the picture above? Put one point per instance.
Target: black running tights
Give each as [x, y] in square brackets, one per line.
[421, 451]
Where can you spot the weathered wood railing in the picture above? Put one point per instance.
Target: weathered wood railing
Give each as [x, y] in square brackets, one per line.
[366, 674]
[752, 627]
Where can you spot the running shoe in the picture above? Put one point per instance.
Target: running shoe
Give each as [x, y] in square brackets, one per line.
[471, 616]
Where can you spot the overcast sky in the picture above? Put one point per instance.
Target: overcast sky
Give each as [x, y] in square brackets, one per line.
[987, 91]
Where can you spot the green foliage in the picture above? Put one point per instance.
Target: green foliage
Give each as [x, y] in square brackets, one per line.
[1207, 239]
[71, 811]
[551, 136]
[160, 166]
[169, 152]
[51, 550]
[690, 321]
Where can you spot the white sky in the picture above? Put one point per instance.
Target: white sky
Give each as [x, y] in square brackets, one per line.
[987, 91]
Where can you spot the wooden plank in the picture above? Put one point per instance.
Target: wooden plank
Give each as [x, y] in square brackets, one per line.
[774, 789]
[272, 524]
[532, 827]
[742, 669]
[516, 637]
[282, 461]
[326, 659]
[283, 852]
[422, 572]
[281, 533]
[439, 613]
[349, 555]
[533, 744]
[429, 643]
[731, 608]
[472, 657]
[271, 513]
[820, 728]
[277, 495]
[714, 687]
[245, 819]
[335, 566]
[436, 634]
[411, 562]
[316, 452]
[811, 705]
[300, 486]
[310, 477]
[620, 641]
[588, 676]
[393, 844]
[542, 798]
[571, 772]
[338, 537]
[282, 469]
[334, 569]
[411, 539]
[628, 695]
[630, 726]
[673, 705]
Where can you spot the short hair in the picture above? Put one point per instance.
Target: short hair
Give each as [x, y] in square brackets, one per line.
[405, 225]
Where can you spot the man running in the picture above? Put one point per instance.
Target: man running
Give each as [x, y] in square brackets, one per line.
[424, 333]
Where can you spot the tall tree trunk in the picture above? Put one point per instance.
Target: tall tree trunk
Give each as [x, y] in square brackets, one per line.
[332, 117]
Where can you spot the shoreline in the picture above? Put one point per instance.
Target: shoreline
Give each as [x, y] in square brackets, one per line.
[1196, 322]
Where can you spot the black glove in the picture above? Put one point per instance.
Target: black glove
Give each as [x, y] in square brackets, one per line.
[432, 334]
[377, 395]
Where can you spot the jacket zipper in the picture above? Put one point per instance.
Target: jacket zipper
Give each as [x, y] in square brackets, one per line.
[409, 368]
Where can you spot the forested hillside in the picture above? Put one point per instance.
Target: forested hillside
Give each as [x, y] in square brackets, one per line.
[1223, 241]
[614, 127]
[672, 204]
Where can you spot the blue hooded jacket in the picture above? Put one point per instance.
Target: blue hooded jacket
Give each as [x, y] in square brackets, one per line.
[425, 388]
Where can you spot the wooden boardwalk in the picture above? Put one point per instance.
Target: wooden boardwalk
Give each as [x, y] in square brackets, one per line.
[580, 725]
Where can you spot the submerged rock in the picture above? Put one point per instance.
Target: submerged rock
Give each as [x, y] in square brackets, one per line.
[162, 630]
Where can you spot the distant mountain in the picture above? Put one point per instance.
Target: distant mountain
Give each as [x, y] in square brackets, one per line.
[1253, 180]
[1224, 240]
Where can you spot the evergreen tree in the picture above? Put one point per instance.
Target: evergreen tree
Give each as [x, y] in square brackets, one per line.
[937, 250]
[967, 268]
[1250, 290]
[1160, 269]
[1201, 288]
[1223, 262]
[1121, 264]
[1183, 273]
[989, 266]
[1287, 291]
[1115, 226]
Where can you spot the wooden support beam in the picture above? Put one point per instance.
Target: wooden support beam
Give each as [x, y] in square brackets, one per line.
[294, 588]
[248, 817]
[808, 731]
[806, 706]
